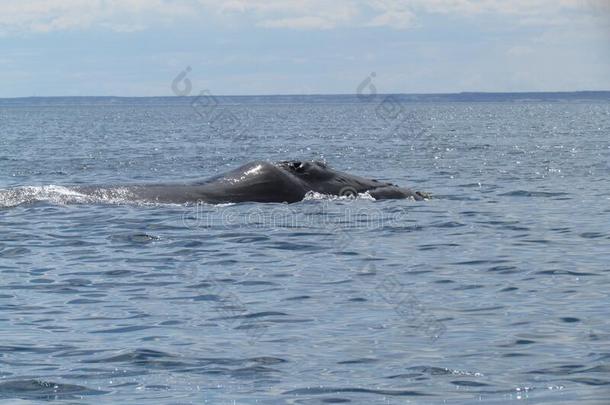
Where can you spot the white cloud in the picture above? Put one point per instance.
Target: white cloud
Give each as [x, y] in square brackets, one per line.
[394, 14]
[394, 19]
[517, 7]
[306, 22]
[22, 16]
[303, 14]
[19, 16]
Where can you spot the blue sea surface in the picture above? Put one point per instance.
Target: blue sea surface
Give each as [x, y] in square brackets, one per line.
[495, 290]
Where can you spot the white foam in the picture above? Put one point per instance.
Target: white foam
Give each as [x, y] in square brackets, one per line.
[61, 195]
[313, 195]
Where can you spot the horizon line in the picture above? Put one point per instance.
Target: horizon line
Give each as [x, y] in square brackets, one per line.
[325, 94]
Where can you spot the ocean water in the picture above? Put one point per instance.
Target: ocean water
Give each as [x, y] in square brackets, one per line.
[496, 290]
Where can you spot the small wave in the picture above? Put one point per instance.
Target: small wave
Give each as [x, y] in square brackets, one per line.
[526, 193]
[204, 204]
[43, 390]
[355, 390]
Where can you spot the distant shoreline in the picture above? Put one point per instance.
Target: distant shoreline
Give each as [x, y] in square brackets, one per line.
[318, 98]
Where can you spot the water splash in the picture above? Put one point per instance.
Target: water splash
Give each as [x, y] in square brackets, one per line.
[61, 195]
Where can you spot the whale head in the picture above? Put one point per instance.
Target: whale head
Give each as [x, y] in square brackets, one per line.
[319, 177]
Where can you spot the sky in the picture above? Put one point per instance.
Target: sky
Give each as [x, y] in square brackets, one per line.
[240, 47]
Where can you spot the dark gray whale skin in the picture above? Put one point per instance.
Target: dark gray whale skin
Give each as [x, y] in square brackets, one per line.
[261, 181]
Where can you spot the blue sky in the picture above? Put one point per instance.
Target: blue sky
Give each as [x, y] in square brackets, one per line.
[138, 47]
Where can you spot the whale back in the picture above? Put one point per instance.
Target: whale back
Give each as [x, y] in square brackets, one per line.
[257, 181]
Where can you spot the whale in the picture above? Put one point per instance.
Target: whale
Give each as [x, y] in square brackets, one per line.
[286, 181]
